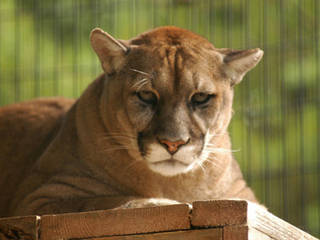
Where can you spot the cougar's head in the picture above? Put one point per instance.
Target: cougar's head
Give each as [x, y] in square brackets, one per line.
[168, 95]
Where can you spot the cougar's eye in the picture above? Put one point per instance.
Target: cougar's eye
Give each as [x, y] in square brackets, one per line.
[201, 98]
[147, 97]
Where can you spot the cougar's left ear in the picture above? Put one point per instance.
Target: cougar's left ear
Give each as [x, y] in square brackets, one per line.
[236, 63]
[110, 51]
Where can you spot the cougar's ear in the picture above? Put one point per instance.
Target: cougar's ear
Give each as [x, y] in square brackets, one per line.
[236, 63]
[110, 51]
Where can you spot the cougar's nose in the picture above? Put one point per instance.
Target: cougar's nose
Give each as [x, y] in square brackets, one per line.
[172, 147]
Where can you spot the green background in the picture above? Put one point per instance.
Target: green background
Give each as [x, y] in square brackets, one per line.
[45, 51]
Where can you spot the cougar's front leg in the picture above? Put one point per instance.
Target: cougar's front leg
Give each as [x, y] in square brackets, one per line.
[70, 193]
[40, 205]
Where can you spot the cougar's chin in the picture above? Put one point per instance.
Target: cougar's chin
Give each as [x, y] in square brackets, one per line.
[169, 167]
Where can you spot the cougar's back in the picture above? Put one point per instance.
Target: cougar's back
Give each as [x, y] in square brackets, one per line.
[26, 129]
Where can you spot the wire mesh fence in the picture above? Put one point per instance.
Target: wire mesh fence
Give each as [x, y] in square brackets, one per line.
[45, 51]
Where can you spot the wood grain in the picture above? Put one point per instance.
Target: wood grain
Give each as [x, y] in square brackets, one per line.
[24, 228]
[243, 232]
[273, 226]
[203, 234]
[239, 212]
[115, 222]
[210, 220]
[219, 213]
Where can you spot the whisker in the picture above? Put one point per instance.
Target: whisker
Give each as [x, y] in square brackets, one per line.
[132, 164]
[140, 83]
[221, 150]
[213, 163]
[138, 71]
[201, 166]
[117, 148]
[119, 137]
[105, 136]
[118, 133]
[216, 134]
[218, 149]
[212, 159]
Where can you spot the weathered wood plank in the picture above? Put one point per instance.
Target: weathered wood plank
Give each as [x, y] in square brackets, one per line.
[232, 219]
[115, 222]
[273, 226]
[24, 228]
[236, 232]
[203, 234]
[219, 213]
[239, 212]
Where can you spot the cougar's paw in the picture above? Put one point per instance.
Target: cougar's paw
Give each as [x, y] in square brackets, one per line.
[148, 202]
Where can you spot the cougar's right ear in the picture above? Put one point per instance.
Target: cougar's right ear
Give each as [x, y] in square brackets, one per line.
[110, 51]
[236, 63]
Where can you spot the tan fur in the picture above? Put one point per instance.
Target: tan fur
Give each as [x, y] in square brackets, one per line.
[56, 156]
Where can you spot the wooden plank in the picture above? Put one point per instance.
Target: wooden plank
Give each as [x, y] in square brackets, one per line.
[115, 222]
[219, 213]
[25, 228]
[203, 234]
[243, 232]
[273, 226]
[239, 212]
[231, 219]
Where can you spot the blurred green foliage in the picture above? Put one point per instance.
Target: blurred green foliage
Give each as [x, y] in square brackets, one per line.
[45, 51]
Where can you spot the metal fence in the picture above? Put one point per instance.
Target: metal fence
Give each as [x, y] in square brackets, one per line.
[45, 51]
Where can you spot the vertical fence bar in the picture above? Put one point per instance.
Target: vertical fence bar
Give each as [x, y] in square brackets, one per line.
[283, 107]
[17, 39]
[227, 18]
[189, 24]
[317, 59]
[229, 22]
[208, 8]
[300, 109]
[81, 65]
[116, 11]
[266, 86]
[75, 48]
[171, 9]
[247, 96]
[62, 44]
[133, 31]
[56, 53]
[110, 8]
[37, 63]
[2, 99]
[211, 22]
[189, 16]
[152, 14]
[95, 15]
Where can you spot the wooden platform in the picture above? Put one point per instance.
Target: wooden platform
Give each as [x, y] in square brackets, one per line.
[207, 220]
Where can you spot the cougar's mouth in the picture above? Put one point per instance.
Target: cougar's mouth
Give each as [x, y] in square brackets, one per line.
[170, 162]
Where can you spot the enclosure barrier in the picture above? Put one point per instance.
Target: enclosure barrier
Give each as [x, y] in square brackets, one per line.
[210, 220]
